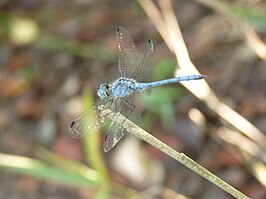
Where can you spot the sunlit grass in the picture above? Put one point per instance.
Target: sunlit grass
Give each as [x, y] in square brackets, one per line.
[39, 169]
[93, 145]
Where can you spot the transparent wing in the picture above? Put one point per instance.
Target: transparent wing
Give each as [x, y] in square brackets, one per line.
[127, 52]
[135, 99]
[116, 131]
[87, 122]
[143, 71]
[113, 135]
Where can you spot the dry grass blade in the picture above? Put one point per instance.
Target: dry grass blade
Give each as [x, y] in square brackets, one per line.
[256, 167]
[241, 142]
[201, 89]
[250, 153]
[254, 41]
[154, 13]
[180, 157]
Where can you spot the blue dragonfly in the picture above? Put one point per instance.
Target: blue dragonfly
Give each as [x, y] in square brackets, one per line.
[122, 95]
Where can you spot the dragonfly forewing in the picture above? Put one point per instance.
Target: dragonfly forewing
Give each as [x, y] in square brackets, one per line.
[128, 57]
[87, 122]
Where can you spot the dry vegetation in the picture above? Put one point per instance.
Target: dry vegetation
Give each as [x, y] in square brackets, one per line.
[53, 56]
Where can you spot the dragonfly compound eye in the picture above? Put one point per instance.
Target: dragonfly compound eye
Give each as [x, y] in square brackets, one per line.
[102, 91]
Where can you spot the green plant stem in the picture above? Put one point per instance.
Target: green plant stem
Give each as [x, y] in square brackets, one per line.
[92, 144]
[180, 157]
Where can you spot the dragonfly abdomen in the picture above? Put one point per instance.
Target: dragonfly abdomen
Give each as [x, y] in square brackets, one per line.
[143, 86]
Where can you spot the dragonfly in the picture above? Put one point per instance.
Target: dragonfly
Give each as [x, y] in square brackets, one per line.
[122, 95]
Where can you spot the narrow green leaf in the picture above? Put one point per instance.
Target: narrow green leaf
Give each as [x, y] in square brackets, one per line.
[67, 164]
[93, 144]
[253, 15]
[38, 169]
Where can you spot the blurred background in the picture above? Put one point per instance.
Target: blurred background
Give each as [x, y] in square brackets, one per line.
[53, 56]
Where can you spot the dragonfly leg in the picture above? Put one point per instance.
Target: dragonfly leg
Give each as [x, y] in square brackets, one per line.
[116, 106]
[107, 103]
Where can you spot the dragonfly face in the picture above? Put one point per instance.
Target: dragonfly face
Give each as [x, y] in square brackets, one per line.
[103, 91]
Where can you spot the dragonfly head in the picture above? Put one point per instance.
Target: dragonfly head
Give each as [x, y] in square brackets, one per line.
[103, 91]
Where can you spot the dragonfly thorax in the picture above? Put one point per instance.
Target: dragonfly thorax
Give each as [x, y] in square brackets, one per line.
[123, 87]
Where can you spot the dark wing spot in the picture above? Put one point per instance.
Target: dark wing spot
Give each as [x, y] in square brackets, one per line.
[149, 41]
[72, 124]
[105, 137]
[118, 29]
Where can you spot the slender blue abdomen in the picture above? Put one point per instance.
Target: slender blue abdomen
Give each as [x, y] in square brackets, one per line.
[144, 86]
